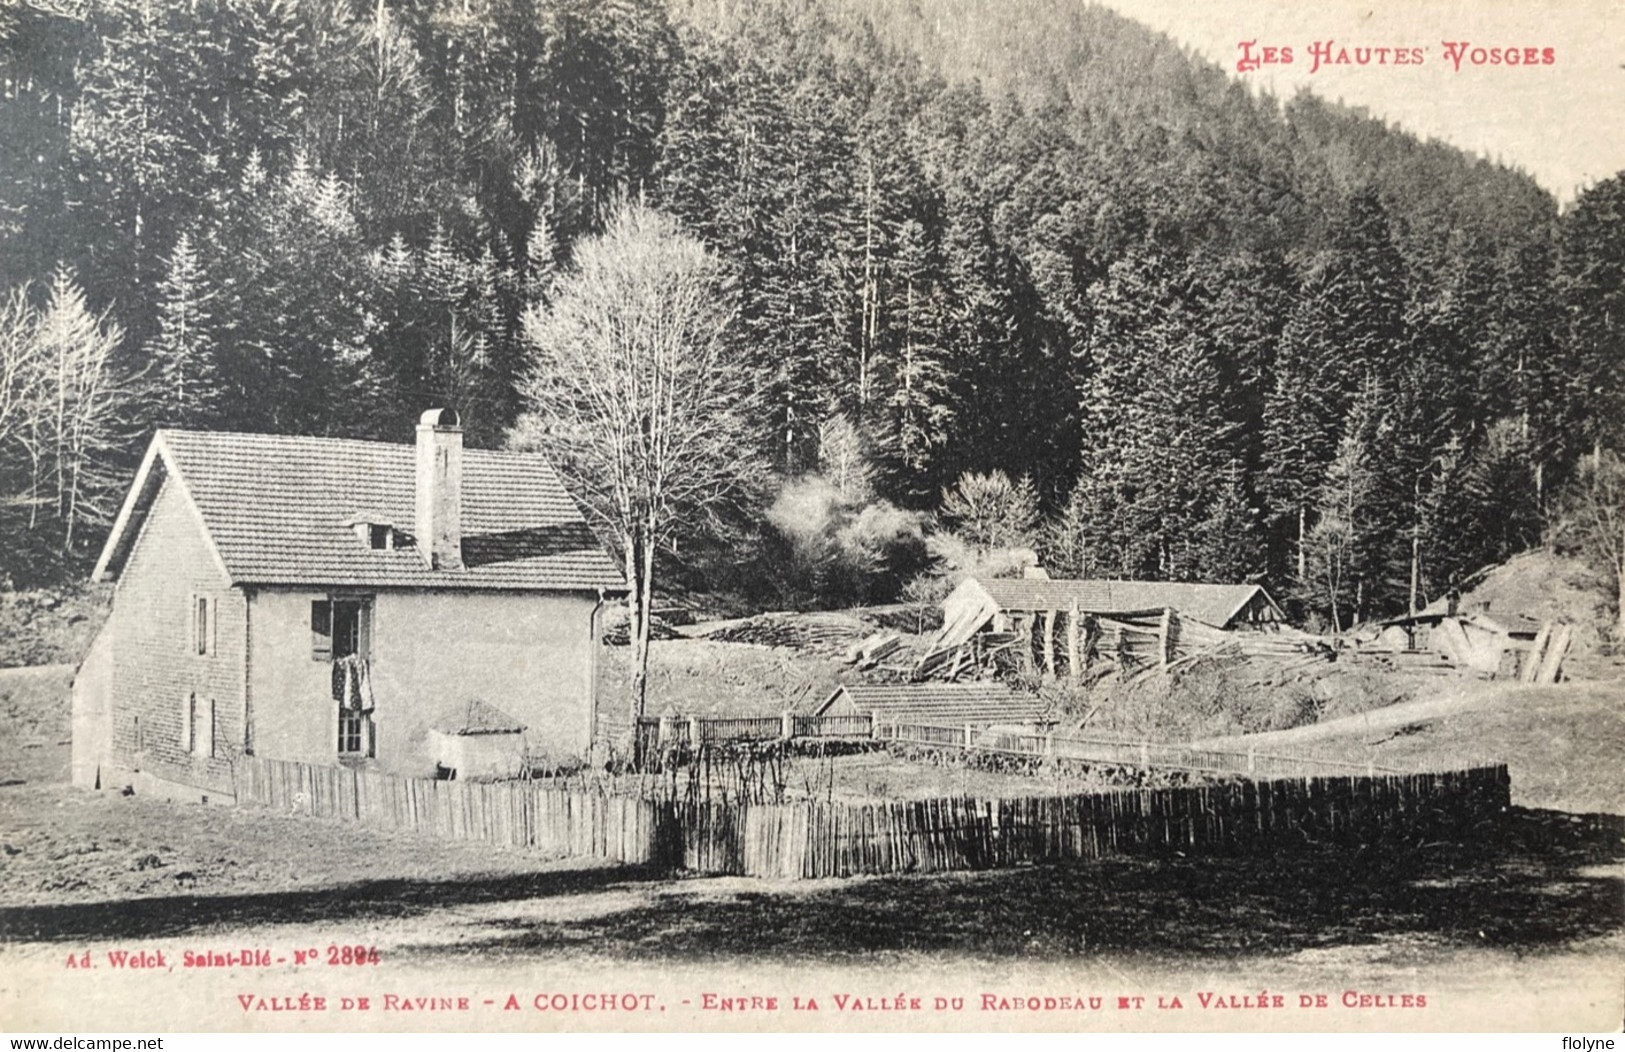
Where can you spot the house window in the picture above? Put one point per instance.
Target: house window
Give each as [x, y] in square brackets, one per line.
[378, 536]
[197, 728]
[341, 627]
[204, 618]
[341, 635]
[355, 733]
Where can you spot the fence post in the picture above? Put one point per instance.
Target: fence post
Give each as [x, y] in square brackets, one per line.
[1251, 764]
[970, 733]
[664, 735]
[874, 724]
[1145, 754]
[787, 726]
[693, 732]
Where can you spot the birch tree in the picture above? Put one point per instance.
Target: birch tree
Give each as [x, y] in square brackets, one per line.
[640, 397]
[64, 422]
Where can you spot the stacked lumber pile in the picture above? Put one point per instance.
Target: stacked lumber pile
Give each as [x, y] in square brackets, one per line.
[973, 659]
[827, 634]
[618, 633]
[870, 652]
[1543, 662]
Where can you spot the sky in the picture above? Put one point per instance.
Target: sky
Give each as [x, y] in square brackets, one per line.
[1562, 122]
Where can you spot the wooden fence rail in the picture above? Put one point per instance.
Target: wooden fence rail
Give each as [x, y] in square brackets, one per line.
[804, 839]
[656, 735]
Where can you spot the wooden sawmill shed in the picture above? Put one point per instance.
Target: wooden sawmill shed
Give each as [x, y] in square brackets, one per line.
[1058, 626]
[935, 704]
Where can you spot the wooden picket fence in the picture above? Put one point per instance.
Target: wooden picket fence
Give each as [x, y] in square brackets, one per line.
[807, 839]
[817, 839]
[656, 735]
[515, 814]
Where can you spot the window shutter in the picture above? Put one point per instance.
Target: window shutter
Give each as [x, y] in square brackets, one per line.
[209, 751]
[191, 623]
[321, 630]
[188, 716]
[214, 618]
[363, 641]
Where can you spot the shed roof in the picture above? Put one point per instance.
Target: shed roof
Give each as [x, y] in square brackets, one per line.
[940, 704]
[477, 717]
[275, 508]
[1213, 604]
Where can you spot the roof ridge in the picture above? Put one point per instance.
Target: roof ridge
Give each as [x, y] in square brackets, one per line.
[188, 432]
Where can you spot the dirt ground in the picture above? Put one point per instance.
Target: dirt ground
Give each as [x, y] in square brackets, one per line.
[62, 847]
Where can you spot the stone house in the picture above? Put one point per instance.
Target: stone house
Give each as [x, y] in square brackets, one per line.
[334, 601]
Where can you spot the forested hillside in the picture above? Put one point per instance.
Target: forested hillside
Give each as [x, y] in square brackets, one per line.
[1224, 337]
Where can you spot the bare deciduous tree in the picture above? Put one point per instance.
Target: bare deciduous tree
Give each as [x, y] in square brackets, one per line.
[63, 413]
[636, 392]
[1333, 544]
[990, 511]
[1592, 522]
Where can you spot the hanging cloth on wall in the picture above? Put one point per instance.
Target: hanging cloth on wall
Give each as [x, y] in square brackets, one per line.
[352, 684]
[363, 688]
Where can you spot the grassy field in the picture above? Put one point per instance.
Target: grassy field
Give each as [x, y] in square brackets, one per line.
[1562, 744]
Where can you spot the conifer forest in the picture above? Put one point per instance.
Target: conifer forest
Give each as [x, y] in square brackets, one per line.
[991, 276]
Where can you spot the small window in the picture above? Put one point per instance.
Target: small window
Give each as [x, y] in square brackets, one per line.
[204, 619]
[376, 533]
[203, 728]
[321, 630]
[355, 733]
[197, 726]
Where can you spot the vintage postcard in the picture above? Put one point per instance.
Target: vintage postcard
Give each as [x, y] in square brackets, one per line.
[812, 515]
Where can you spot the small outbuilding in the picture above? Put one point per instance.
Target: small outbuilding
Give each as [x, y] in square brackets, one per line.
[477, 740]
[1064, 625]
[936, 704]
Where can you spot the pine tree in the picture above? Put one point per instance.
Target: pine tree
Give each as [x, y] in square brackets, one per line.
[1592, 283]
[182, 353]
[918, 398]
[295, 309]
[1301, 417]
[1343, 556]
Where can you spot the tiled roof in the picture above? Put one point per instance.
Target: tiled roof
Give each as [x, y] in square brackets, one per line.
[276, 509]
[1213, 604]
[940, 704]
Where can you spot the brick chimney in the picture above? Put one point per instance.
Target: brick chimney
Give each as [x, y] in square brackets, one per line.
[440, 489]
